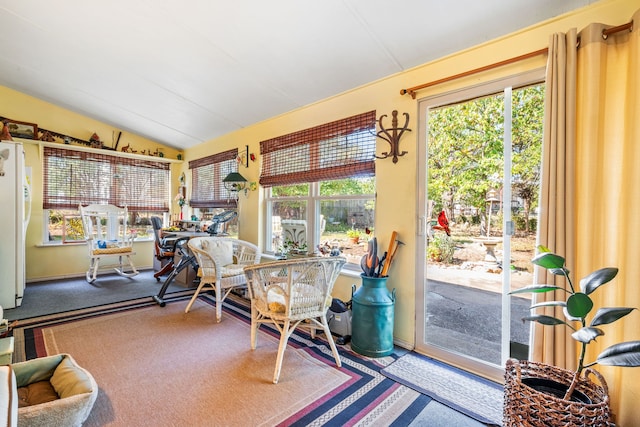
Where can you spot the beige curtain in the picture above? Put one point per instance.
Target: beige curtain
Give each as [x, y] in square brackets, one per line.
[608, 190]
[556, 230]
[603, 228]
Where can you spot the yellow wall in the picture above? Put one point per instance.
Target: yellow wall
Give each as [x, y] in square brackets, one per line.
[396, 183]
[68, 260]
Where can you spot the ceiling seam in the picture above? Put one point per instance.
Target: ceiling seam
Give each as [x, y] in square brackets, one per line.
[368, 29]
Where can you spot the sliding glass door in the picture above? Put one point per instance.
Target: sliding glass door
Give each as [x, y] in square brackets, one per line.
[479, 176]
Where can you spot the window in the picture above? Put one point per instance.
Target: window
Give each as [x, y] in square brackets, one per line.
[479, 162]
[74, 177]
[207, 174]
[321, 188]
[209, 197]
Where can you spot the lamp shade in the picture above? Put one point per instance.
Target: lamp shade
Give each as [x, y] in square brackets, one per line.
[234, 182]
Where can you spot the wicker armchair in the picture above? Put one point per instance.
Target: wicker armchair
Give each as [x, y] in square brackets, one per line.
[107, 234]
[293, 294]
[221, 261]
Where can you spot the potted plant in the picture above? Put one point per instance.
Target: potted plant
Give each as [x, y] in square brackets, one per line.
[354, 235]
[538, 385]
[290, 247]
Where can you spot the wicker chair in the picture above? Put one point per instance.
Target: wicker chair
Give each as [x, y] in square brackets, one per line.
[107, 234]
[292, 294]
[221, 261]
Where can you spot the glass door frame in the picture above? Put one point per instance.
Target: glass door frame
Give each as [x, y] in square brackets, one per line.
[470, 364]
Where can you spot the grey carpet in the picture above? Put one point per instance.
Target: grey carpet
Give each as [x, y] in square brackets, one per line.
[436, 414]
[58, 296]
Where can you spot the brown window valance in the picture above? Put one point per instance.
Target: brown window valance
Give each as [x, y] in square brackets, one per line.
[340, 149]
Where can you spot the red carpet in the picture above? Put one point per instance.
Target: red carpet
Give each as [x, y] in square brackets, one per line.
[159, 366]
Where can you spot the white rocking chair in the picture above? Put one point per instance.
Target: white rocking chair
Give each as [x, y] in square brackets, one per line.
[107, 234]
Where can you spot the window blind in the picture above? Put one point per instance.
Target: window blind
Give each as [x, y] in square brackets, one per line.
[207, 173]
[340, 149]
[74, 177]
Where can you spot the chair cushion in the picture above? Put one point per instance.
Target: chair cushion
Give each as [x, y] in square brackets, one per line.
[277, 303]
[232, 270]
[116, 250]
[220, 250]
[36, 393]
[276, 300]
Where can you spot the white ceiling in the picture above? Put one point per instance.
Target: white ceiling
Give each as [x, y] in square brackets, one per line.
[181, 72]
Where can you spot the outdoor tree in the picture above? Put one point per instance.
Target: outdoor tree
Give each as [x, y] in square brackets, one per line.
[527, 146]
[465, 150]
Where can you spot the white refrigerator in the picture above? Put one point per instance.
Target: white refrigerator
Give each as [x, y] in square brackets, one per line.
[15, 211]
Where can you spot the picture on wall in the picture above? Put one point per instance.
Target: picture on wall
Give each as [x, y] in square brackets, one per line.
[22, 129]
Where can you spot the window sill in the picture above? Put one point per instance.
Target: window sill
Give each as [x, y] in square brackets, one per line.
[346, 271]
[83, 243]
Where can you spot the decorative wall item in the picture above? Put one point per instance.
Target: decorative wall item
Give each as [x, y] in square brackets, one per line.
[95, 141]
[244, 156]
[116, 140]
[392, 135]
[50, 136]
[17, 129]
[24, 130]
[5, 135]
[127, 149]
[31, 131]
[46, 136]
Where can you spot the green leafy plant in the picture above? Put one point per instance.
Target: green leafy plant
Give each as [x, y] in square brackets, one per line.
[290, 246]
[354, 233]
[441, 248]
[577, 306]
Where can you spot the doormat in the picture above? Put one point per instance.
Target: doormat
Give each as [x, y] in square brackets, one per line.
[474, 396]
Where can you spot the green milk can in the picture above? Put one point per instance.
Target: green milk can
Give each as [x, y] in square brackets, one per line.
[372, 317]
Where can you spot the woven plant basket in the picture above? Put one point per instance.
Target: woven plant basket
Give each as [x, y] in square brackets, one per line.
[525, 406]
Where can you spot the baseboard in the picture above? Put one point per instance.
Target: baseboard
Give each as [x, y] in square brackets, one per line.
[73, 276]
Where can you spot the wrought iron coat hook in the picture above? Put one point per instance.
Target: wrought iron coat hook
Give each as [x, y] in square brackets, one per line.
[392, 135]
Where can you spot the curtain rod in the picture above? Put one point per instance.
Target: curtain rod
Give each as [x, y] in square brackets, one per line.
[628, 26]
[412, 90]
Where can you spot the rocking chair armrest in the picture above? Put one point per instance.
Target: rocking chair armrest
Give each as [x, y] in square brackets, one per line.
[131, 237]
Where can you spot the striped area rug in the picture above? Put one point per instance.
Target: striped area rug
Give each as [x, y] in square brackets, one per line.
[477, 397]
[355, 395]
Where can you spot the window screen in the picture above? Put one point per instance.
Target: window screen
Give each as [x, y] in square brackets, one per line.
[73, 177]
[341, 149]
[207, 173]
